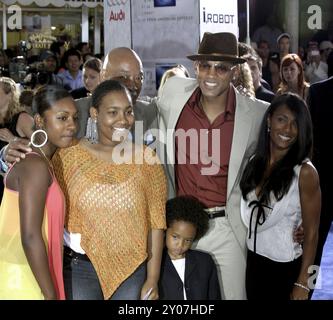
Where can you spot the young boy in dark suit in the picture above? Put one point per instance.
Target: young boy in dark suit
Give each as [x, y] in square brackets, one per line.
[187, 274]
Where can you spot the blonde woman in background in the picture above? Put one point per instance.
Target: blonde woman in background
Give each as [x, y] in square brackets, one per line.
[14, 120]
[179, 71]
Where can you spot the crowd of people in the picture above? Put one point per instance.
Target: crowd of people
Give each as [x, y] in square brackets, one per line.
[88, 171]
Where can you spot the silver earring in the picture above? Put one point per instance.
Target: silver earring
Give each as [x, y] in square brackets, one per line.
[32, 138]
[268, 129]
[91, 132]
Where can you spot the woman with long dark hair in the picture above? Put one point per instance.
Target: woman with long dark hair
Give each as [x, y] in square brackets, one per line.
[280, 190]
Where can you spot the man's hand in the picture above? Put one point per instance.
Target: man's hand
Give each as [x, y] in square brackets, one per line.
[298, 235]
[16, 150]
[6, 135]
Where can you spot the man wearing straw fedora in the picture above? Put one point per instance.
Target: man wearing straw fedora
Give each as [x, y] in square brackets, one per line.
[222, 126]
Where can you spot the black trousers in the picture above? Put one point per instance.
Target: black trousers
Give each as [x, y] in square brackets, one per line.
[270, 280]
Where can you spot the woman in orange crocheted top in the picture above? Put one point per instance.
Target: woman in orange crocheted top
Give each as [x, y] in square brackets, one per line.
[115, 196]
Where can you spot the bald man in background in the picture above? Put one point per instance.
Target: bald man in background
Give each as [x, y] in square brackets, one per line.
[123, 64]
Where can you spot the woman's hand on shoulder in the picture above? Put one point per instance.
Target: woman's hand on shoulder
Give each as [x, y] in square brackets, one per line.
[16, 150]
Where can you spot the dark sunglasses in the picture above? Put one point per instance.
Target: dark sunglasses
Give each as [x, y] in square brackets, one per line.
[220, 68]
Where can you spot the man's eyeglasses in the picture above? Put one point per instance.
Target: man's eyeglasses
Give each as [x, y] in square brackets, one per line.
[220, 68]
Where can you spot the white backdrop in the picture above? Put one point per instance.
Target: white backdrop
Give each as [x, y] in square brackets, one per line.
[117, 24]
[164, 32]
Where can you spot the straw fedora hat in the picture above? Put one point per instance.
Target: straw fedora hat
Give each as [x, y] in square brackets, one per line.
[221, 46]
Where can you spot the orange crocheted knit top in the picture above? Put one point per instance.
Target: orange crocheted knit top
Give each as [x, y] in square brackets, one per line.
[113, 207]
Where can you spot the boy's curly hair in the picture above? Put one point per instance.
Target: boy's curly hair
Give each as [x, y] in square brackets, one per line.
[188, 209]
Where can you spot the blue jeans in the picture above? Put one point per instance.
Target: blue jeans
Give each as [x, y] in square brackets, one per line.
[130, 289]
[81, 281]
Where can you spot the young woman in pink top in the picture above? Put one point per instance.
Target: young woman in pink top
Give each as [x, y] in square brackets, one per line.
[32, 208]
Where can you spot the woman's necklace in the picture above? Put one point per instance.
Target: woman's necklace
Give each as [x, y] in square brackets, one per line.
[47, 159]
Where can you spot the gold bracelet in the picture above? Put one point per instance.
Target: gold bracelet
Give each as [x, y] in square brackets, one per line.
[301, 286]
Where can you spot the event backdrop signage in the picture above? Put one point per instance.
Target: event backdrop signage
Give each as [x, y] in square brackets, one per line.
[218, 16]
